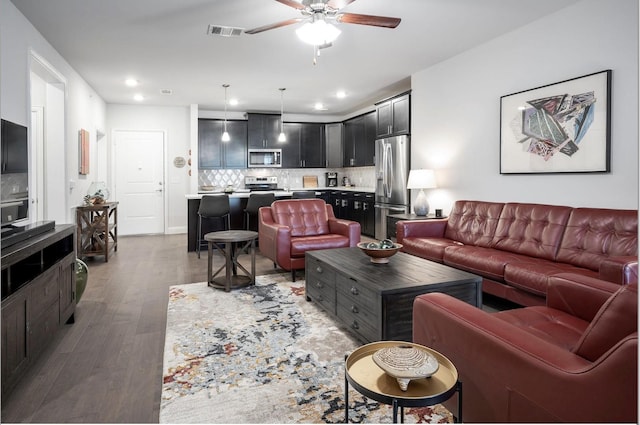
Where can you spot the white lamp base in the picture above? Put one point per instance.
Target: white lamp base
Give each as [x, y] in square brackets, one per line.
[421, 206]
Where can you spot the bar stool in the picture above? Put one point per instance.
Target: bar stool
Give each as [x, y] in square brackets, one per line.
[213, 207]
[256, 200]
[303, 194]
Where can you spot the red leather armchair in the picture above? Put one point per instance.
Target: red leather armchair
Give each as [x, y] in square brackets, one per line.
[573, 360]
[289, 228]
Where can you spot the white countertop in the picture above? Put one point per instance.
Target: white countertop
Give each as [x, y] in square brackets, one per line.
[244, 193]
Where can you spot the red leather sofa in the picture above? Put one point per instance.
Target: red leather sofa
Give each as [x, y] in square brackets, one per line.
[290, 227]
[518, 247]
[573, 360]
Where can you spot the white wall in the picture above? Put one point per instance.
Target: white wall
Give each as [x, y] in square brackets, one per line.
[175, 122]
[456, 108]
[84, 108]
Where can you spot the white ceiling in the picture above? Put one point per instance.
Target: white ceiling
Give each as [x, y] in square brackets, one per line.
[163, 44]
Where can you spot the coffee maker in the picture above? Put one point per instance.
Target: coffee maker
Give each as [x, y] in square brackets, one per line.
[331, 179]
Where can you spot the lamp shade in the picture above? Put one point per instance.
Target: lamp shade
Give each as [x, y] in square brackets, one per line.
[421, 179]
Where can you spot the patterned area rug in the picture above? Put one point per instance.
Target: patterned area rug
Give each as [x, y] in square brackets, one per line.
[261, 354]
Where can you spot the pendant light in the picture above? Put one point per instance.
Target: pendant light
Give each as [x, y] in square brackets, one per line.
[225, 135]
[282, 137]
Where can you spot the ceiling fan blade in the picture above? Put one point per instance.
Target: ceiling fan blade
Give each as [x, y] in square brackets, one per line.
[273, 26]
[376, 21]
[339, 4]
[293, 3]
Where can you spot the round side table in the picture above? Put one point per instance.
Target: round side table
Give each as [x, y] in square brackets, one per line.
[371, 381]
[226, 242]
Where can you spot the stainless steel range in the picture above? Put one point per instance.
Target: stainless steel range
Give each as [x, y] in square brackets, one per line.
[264, 183]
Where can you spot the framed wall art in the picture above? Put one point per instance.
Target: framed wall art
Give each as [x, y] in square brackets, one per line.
[558, 128]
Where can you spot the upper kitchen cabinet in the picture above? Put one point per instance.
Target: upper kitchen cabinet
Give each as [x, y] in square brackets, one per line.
[333, 145]
[304, 147]
[359, 140]
[213, 153]
[291, 148]
[264, 130]
[394, 116]
[312, 145]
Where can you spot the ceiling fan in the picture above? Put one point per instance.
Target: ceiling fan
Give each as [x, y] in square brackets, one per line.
[319, 16]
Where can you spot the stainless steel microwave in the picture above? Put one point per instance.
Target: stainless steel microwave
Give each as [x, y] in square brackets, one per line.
[265, 158]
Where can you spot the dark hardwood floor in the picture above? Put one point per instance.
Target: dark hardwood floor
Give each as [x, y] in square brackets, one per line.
[107, 367]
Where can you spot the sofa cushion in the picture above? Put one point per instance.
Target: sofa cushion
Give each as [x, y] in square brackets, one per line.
[531, 229]
[473, 222]
[616, 319]
[533, 274]
[302, 244]
[429, 248]
[487, 262]
[554, 326]
[305, 217]
[592, 235]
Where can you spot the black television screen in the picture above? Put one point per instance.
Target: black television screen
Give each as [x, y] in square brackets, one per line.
[14, 141]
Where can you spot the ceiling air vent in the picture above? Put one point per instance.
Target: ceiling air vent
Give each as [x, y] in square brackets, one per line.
[224, 31]
[166, 92]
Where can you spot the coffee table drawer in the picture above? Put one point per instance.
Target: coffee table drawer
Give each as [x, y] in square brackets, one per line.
[320, 284]
[357, 292]
[323, 293]
[358, 320]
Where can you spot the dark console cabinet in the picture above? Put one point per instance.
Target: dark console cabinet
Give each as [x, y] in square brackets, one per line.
[38, 297]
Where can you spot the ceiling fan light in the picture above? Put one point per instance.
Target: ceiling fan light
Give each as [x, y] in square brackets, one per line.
[318, 33]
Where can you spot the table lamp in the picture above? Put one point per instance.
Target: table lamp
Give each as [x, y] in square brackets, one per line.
[421, 179]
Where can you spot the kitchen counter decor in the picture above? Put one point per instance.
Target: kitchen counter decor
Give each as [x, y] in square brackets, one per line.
[405, 363]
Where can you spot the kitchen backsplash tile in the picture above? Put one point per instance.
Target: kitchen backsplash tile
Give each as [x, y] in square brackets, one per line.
[358, 176]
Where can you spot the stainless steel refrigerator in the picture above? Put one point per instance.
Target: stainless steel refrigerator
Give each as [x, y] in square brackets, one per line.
[392, 163]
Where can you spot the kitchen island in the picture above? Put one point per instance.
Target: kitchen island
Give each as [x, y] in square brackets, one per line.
[238, 202]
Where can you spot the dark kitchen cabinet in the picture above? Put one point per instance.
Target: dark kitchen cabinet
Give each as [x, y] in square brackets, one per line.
[304, 147]
[263, 131]
[393, 116]
[361, 210]
[213, 153]
[359, 140]
[312, 145]
[291, 148]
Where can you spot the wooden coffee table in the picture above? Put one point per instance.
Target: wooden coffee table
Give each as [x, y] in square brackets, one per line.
[376, 300]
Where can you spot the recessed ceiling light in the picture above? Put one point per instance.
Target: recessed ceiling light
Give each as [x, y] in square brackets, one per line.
[319, 107]
[340, 94]
[131, 82]
[233, 102]
[138, 97]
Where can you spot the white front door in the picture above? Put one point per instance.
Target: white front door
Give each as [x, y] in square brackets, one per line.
[139, 164]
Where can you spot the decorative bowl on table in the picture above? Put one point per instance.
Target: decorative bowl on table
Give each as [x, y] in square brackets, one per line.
[379, 252]
[405, 363]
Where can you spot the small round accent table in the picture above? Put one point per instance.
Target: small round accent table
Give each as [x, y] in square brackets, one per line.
[371, 381]
[227, 243]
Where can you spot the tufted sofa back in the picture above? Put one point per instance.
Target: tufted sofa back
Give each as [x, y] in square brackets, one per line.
[531, 229]
[473, 222]
[305, 217]
[593, 234]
